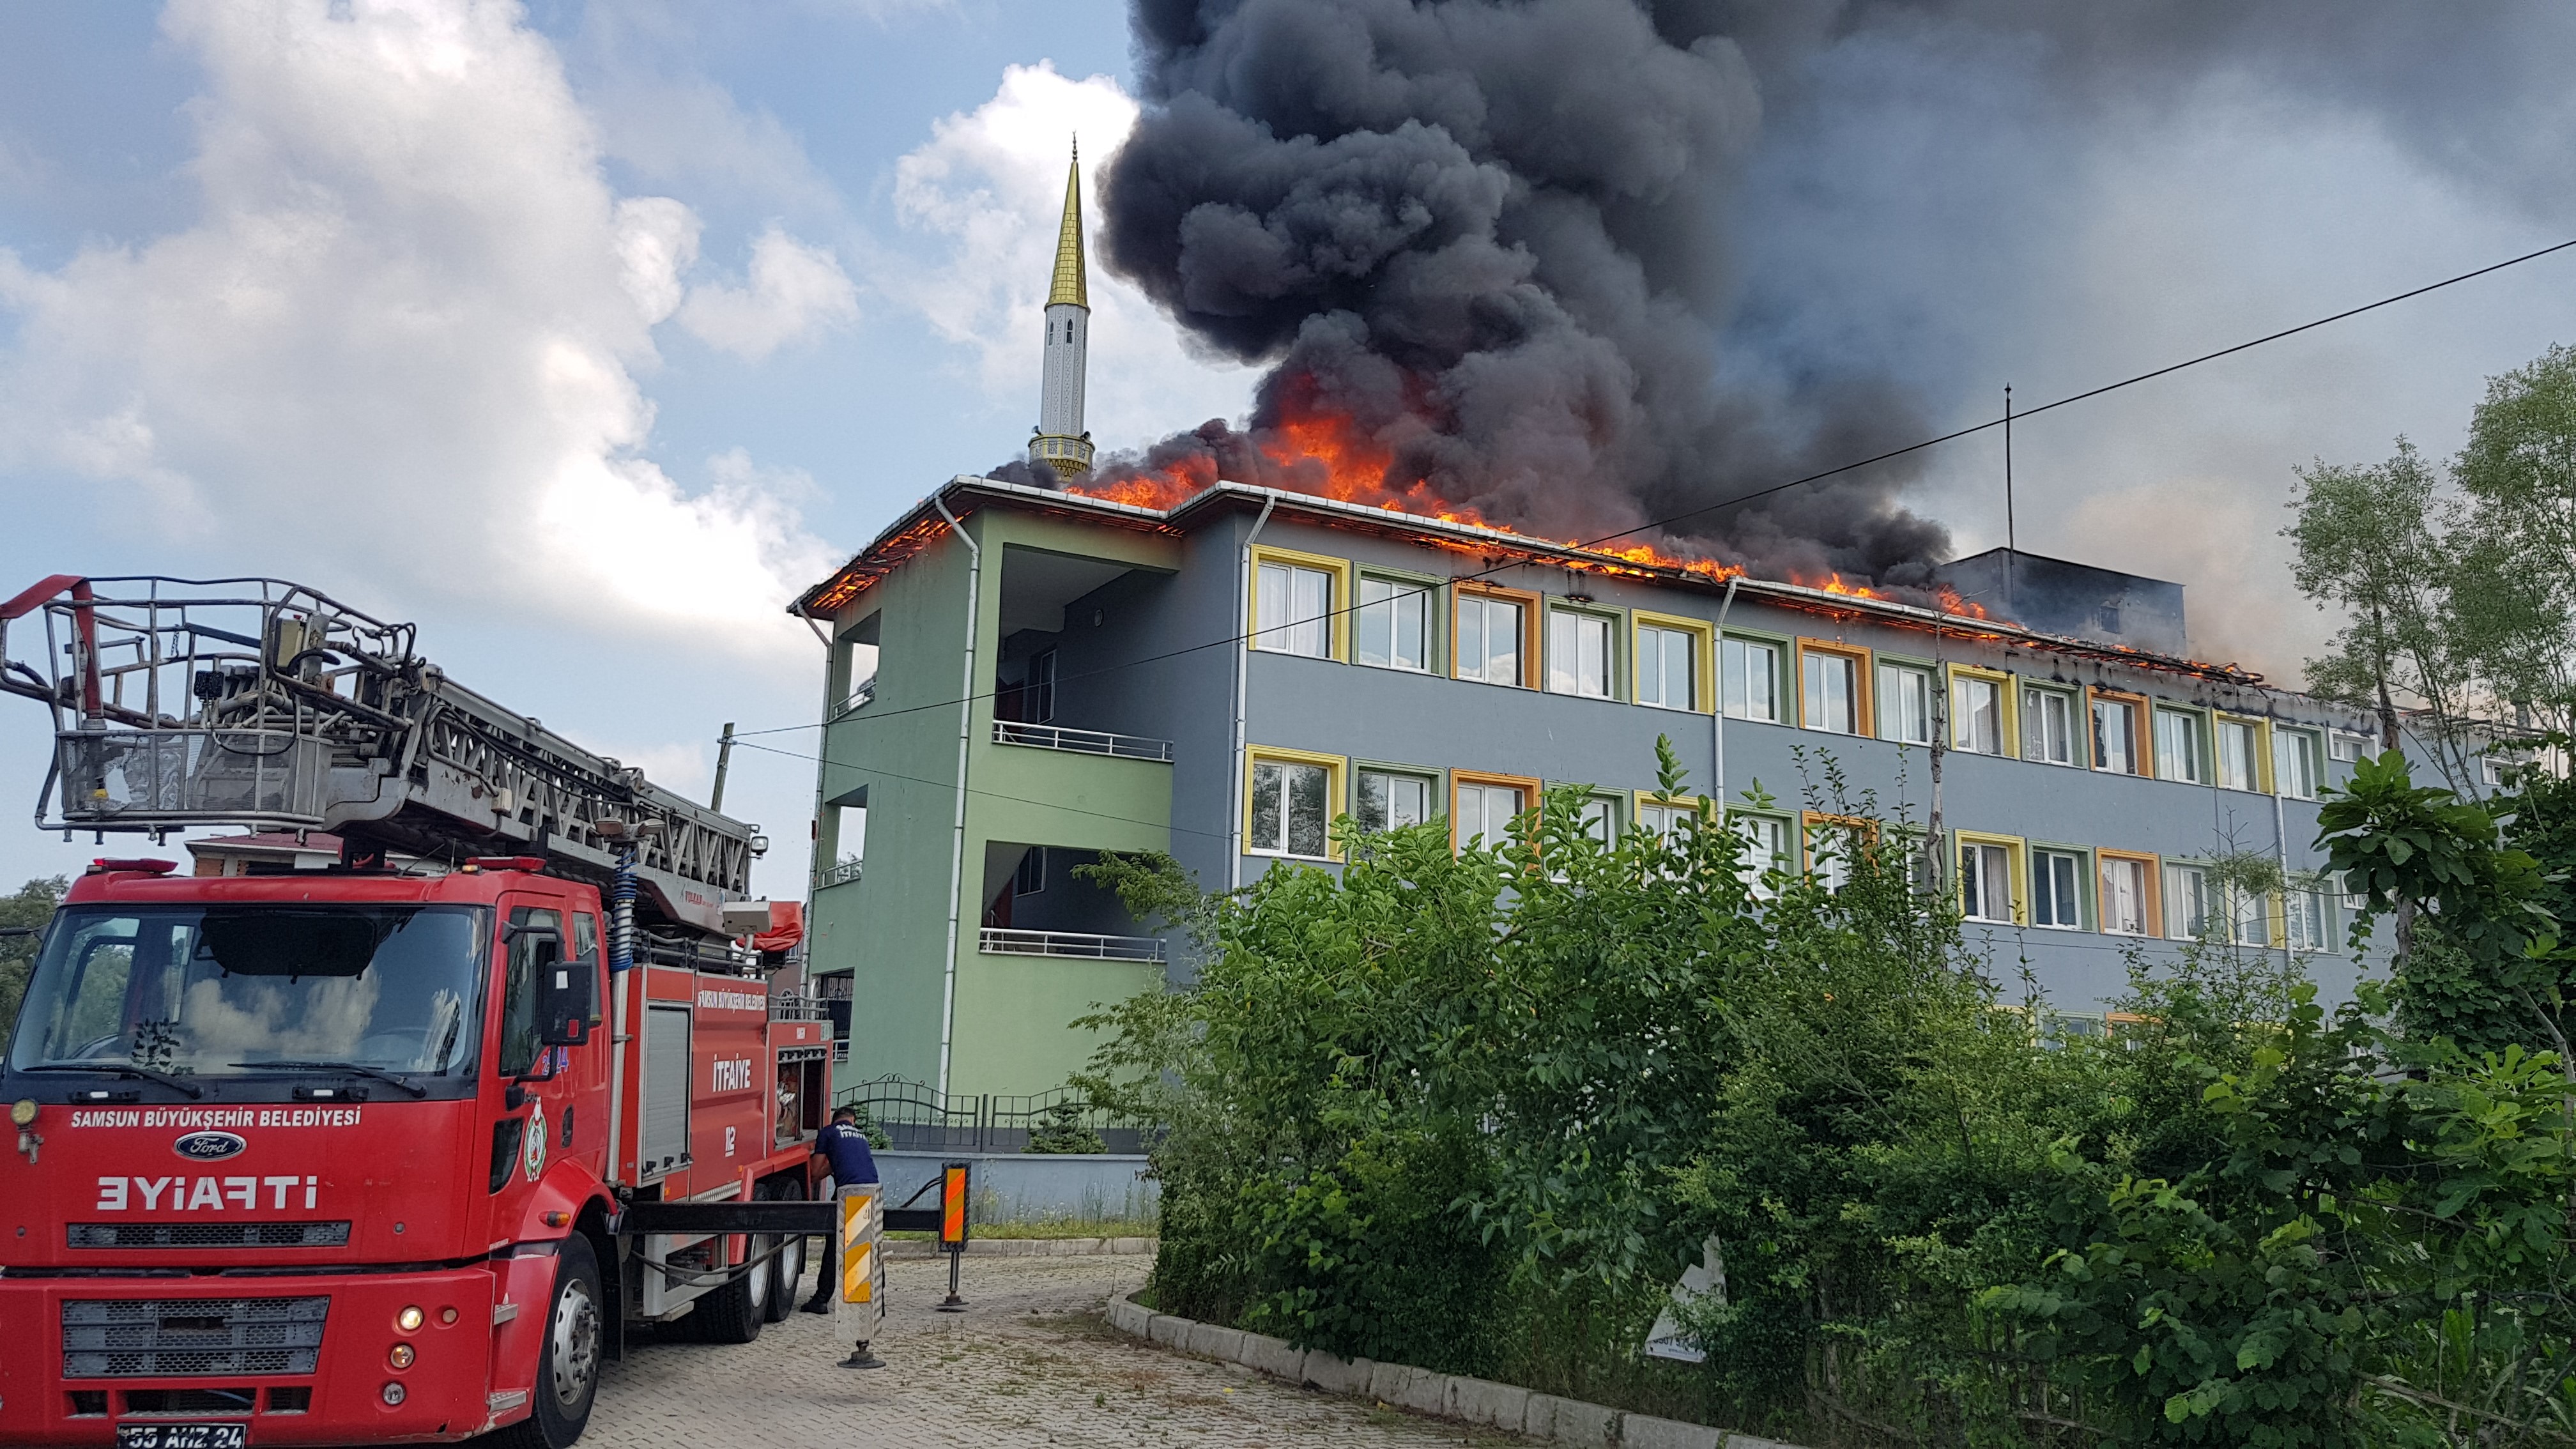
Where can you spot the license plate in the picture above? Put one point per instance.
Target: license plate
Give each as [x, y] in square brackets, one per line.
[182, 1436]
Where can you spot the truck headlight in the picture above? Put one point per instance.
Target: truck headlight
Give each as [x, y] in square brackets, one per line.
[393, 1394]
[22, 1113]
[408, 1319]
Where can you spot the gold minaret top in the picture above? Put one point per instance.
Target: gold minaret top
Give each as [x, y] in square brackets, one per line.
[1069, 286]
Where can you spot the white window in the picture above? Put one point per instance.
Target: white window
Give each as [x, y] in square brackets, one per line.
[2239, 748]
[1389, 801]
[2304, 914]
[2179, 755]
[1291, 807]
[2347, 747]
[1904, 705]
[1295, 607]
[2294, 763]
[1489, 639]
[1578, 654]
[2354, 901]
[2249, 917]
[2115, 736]
[1766, 849]
[1985, 883]
[1831, 849]
[2497, 759]
[2047, 727]
[2187, 901]
[1976, 715]
[1664, 822]
[1750, 670]
[1030, 878]
[1666, 673]
[2124, 897]
[1601, 821]
[1393, 624]
[1485, 812]
[2055, 898]
[1832, 683]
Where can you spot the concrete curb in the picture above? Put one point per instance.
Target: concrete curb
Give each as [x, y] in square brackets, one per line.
[1024, 1247]
[1448, 1396]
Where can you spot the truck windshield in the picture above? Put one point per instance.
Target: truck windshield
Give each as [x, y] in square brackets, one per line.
[215, 991]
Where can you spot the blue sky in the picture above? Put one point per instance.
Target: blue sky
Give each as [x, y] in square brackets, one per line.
[584, 335]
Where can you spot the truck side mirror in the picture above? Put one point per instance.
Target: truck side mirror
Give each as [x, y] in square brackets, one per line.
[564, 1005]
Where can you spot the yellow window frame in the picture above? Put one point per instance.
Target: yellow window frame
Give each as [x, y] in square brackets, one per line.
[1703, 656]
[2263, 784]
[1337, 784]
[2007, 700]
[1864, 684]
[1338, 636]
[2016, 871]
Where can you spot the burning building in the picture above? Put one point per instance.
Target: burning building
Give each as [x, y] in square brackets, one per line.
[1218, 646]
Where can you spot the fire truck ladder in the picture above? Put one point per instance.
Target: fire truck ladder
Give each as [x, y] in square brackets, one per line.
[259, 703]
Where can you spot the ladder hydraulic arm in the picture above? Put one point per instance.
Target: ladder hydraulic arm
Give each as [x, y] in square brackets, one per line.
[183, 703]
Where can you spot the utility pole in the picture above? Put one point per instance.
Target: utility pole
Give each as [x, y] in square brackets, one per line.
[724, 761]
[2012, 535]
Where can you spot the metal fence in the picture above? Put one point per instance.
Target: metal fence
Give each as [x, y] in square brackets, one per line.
[919, 1118]
[1088, 742]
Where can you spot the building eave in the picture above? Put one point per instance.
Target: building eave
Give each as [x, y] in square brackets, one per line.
[921, 522]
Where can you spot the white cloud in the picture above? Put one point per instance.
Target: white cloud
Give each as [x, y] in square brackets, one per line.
[796, 292]
[396, 351]
[989, 188]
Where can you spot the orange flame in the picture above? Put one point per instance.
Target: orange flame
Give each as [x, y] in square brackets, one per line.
[1326, 454]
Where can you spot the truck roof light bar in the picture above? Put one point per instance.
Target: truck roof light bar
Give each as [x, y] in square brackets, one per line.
[105, 864]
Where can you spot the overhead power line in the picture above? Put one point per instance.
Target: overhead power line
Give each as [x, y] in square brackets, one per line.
[2019, 415]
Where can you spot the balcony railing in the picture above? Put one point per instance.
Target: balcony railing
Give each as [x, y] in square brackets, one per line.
[839, 872]
[1088, 742]
[860, 694]
[1000, 941]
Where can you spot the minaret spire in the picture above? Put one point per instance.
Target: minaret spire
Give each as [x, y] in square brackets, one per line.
[1060, 442]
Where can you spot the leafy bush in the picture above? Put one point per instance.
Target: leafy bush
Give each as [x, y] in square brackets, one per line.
[1477, 1110]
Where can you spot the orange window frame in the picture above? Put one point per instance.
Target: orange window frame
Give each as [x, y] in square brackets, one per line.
[2153, 904]
[1864, 829]
[1531, 627]
[2142, 732]
[1528, 785]
[1864, 684]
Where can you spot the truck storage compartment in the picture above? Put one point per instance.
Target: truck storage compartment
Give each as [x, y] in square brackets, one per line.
[665, 1136]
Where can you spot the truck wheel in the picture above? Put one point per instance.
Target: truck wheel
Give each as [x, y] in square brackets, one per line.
[568, 1358]
[788, 1268]
[734, 1312]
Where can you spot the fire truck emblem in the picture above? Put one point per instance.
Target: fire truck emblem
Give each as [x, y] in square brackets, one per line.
[532, 1156]
[208, 1146]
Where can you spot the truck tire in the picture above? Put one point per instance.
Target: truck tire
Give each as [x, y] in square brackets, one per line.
[567, 1358]
[787, 1270]
[735, 1312]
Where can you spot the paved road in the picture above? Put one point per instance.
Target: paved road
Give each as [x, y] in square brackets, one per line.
[1031, 1363]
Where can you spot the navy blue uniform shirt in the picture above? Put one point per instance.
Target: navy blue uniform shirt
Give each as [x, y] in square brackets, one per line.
[847, 1149]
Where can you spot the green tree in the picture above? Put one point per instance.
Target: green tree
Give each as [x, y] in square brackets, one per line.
[2373, 542]
[2516, 595]
[22, 922]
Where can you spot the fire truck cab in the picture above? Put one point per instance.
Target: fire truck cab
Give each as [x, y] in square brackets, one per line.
[377, 1155]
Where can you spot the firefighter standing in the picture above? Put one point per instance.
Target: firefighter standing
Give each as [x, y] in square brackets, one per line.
[845, 1147]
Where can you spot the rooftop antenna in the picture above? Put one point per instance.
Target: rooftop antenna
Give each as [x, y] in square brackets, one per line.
[2012, 536]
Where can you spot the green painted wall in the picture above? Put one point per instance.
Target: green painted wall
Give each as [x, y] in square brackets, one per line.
[889, 927]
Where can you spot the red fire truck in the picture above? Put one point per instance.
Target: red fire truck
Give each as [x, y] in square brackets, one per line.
[396, 1151]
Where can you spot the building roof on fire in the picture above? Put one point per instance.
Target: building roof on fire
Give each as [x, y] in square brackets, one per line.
[922, 523]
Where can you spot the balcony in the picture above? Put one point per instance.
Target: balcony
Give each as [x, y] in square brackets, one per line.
[1086, 742]
[839, 872]
[1080, 945]
[860, 693]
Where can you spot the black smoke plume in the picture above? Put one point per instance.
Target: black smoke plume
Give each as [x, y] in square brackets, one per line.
[1494, 237]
